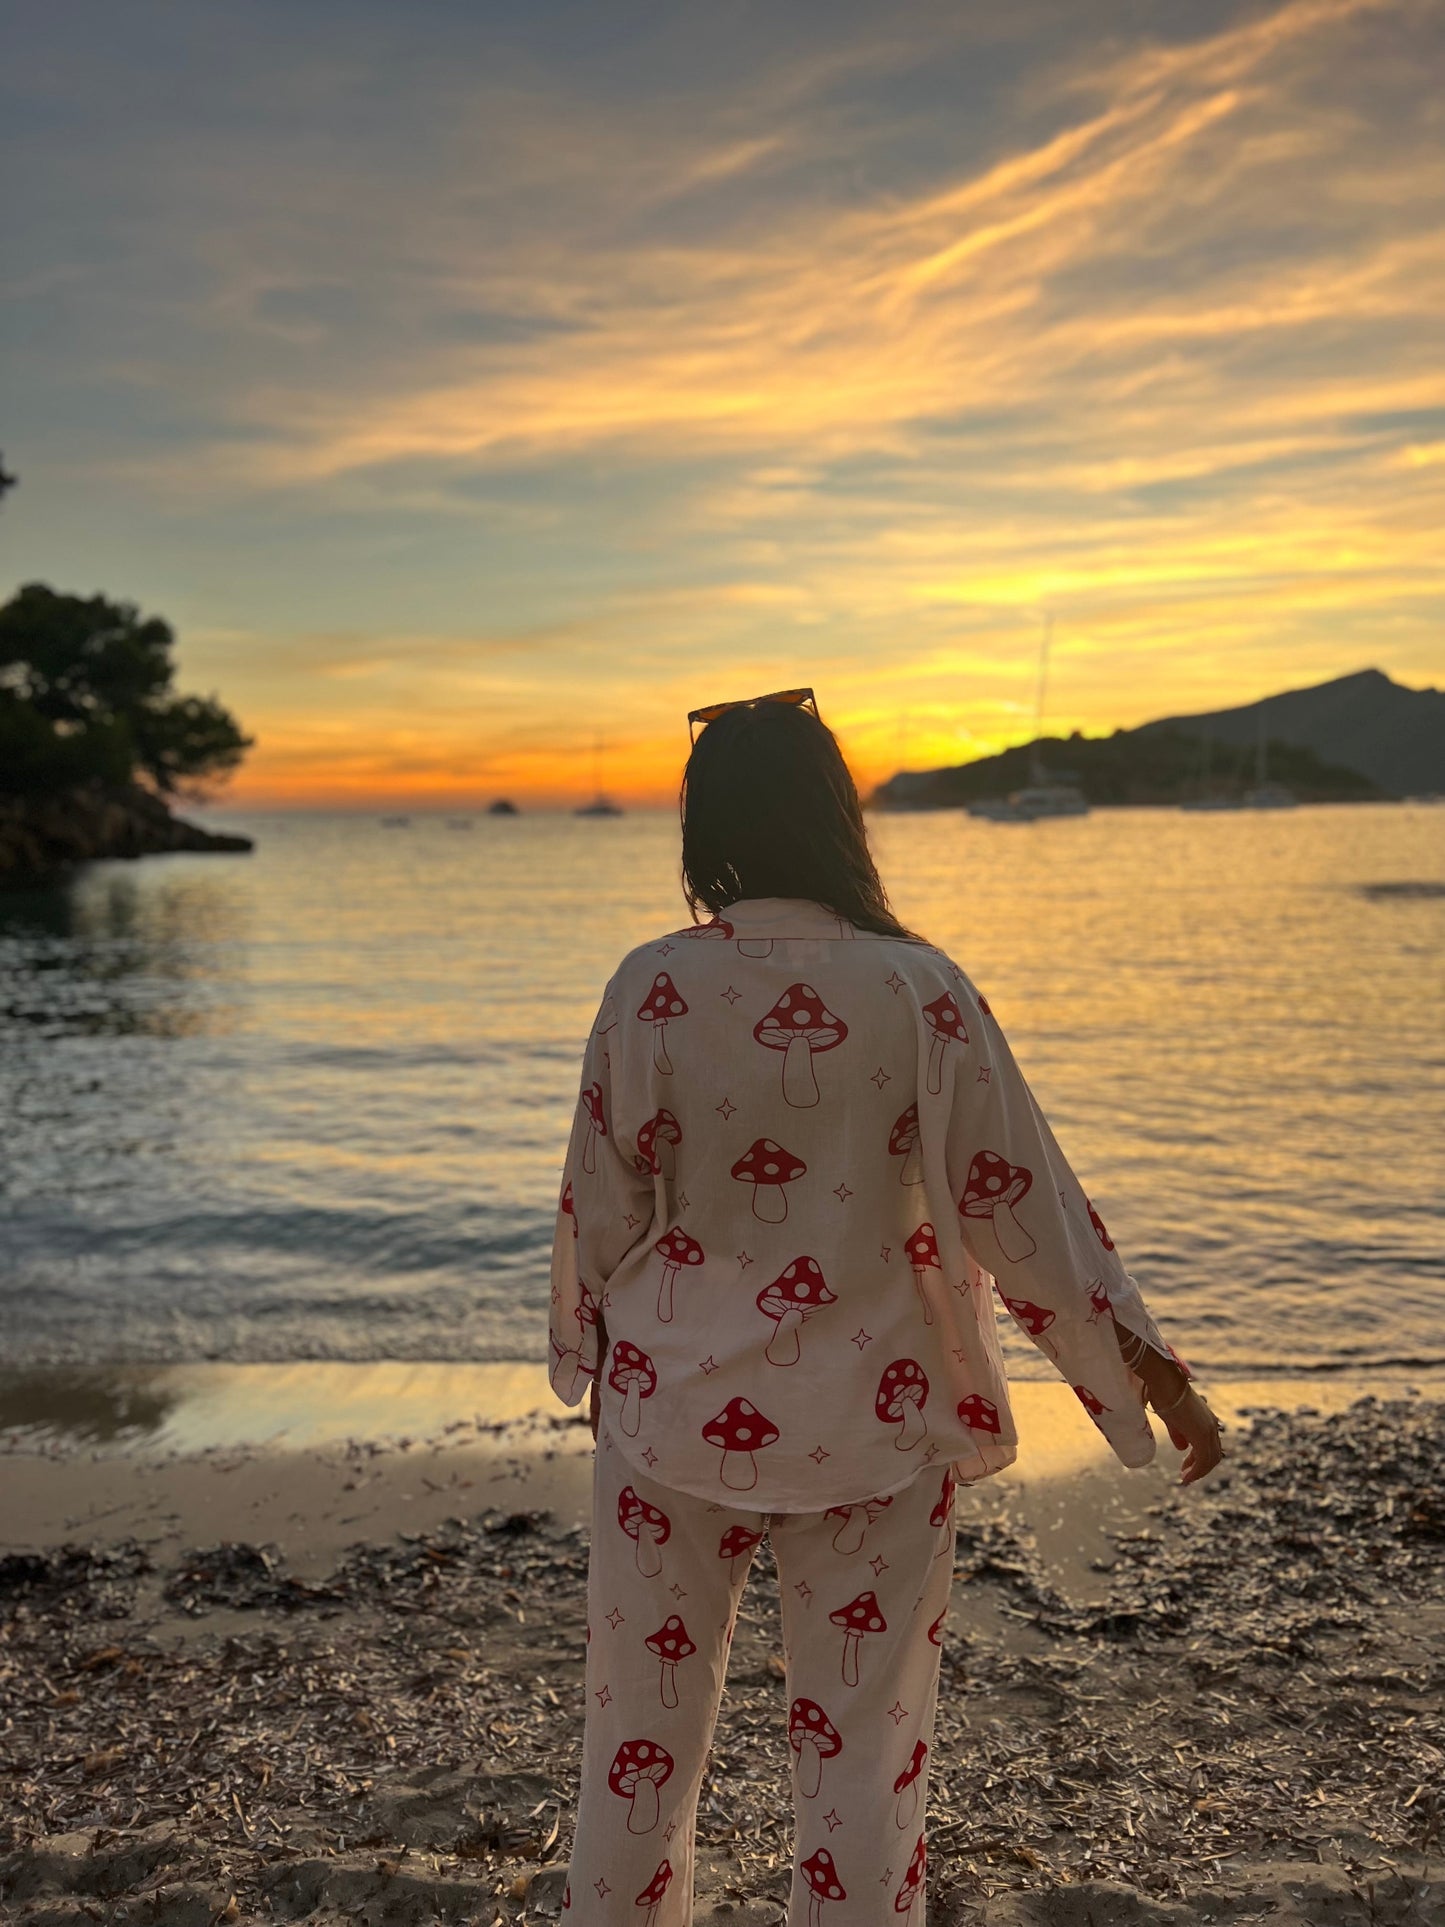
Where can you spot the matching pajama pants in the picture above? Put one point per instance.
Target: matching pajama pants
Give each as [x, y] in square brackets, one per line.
[864, 1590]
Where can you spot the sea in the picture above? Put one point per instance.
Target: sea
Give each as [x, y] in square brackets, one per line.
[311, 1103]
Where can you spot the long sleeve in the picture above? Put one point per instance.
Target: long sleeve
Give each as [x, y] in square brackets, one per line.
[604, 1208]
[1025, 1221]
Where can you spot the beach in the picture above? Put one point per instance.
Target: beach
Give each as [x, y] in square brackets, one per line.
[290, 1651]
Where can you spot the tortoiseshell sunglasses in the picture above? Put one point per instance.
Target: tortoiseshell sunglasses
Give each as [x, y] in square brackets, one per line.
[796, 698]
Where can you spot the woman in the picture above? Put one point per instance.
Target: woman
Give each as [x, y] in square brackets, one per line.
[802, 1160]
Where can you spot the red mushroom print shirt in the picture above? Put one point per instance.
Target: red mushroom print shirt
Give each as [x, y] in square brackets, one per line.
[804, 1171]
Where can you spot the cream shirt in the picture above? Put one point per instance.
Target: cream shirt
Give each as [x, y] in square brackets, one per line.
[803, 1162]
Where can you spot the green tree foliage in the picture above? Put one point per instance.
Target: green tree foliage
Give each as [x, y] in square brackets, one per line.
[85, 695]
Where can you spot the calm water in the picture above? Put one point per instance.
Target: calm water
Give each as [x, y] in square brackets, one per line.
[312, 1103]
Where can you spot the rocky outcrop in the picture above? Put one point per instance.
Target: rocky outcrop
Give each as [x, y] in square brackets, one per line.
[41, 835]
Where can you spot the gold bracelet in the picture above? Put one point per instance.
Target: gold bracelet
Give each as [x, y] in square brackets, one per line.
[1174, 1403]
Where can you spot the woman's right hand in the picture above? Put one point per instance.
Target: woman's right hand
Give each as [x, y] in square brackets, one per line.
[1194, 1430]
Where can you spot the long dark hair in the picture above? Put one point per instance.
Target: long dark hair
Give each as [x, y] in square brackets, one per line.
[769, 809]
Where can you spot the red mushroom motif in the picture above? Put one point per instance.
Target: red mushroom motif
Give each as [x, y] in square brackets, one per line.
[1093, 1406]
[714, 927]
[856, 1519]
[661, 1006]
[794, 1295]
[741, 1430]
[675, 1249]
[652, 1893]
[906, 1786]
[648, 1524]
[635, 1376]
[901, 1397]
[735, 1543]
[799, 1024]
[922, 1249]
[755, 946]
[814, 1738]
[911, 1885]
[1035, 1319]
[980, 1414]
[942, 1517]
[944, 1018]
[859, 1617]
[638, 1770]
[596, 1125]
[823, 1884]
[994, 1187]
[903, 1143]
[1098, 1223]
[569, 1206]
[935, 1631]
[1099, 1303]
[655, 1143]
[767, 1167]
[672, 1644]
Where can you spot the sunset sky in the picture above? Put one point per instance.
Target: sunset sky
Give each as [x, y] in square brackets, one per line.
[465, 379]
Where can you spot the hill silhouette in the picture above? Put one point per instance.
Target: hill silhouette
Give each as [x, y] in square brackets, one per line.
[1354, 739]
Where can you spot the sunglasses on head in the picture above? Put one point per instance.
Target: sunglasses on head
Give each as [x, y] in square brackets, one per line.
[795, 698]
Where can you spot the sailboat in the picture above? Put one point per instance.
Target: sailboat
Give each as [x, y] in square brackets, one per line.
[1207, 799]
[1040, 796]
[601, 804]
[1266, 795]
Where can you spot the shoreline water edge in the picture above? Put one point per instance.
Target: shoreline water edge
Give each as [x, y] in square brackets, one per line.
[277, 1648]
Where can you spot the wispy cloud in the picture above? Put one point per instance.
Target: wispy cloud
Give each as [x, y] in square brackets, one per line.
[868, 345]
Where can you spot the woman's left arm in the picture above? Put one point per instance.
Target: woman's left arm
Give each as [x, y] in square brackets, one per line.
[1026, 1221]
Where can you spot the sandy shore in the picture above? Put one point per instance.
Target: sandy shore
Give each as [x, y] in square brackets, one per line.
[276, 1644]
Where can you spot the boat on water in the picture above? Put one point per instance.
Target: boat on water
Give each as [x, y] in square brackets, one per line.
[396, 822]
[1270, 796]
[601, 804]
[1030, 804]
[1042, 796]
[503, 806]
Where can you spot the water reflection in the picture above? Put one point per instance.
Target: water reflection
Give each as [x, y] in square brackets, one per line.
[115, 953]
[98, 1406]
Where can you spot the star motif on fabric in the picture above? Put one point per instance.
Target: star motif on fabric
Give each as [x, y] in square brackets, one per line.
[684, 1200]
[930, 1455]
[725, 1109]
[879, 1565]
[897, 1713]
[605, 1301]
[887, 1876]
[603, 1695]
[842, 1193]
[744, 1259]
[880, 1077]
[817, 1455]
[731, 994]
[631, 1222]
[556, 1296]
[669, 1830]
[804, 1592]
[832, 1818]
[885, 1252]
[678, 1592]
[665, 949]
[894, 983]
[861, 1338]
[984, 1074]
[601, 1887]
[615, 1618]
[960, 1354]
[707, 1366]
[650, 1456]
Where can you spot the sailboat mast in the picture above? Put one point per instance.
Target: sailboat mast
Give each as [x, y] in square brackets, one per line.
[1036, 769]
